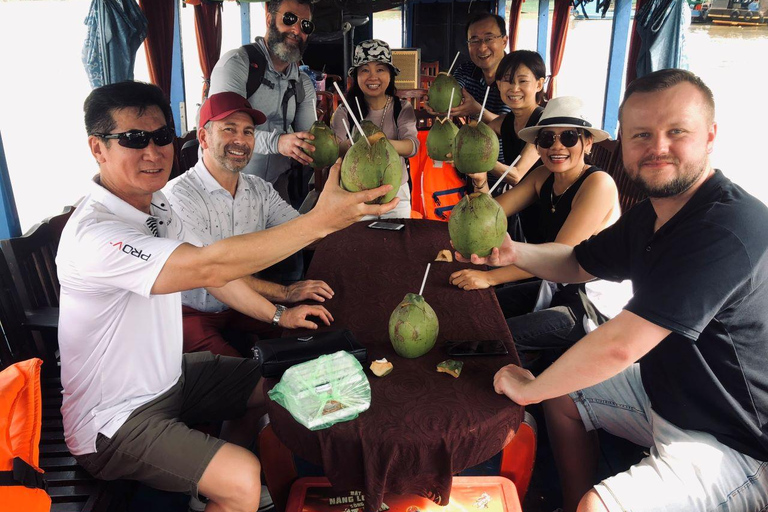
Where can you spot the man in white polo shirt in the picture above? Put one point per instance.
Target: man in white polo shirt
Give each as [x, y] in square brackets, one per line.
[215, 200]
[128, 390]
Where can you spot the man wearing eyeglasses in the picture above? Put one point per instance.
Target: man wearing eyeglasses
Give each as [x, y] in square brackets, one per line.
[128, 390]
[282, 138]
[486, 41]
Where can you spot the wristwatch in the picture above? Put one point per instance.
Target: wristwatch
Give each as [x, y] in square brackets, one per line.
[278, 314]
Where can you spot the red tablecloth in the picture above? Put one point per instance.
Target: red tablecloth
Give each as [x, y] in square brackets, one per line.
[422, 426]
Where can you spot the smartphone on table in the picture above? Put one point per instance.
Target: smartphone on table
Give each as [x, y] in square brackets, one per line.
[476, 348]
[389, 226]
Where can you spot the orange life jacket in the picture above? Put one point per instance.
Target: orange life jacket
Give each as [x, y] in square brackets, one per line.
[22, 487]
[436, 190]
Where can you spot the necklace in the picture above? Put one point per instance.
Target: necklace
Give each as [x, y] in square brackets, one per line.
[384, 112]
[553, 204]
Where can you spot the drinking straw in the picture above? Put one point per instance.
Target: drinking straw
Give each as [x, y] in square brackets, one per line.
[352, 115]
[344, 121]
[454, 62]
[314, 107]
[505, 173]
[450, 104]
[358, 107]
[487, 90]
[425, 278]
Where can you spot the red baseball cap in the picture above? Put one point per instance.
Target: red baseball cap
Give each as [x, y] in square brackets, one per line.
[218, 106]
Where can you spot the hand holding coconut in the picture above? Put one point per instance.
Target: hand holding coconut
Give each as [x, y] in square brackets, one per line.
[336, 208]
[295, 145]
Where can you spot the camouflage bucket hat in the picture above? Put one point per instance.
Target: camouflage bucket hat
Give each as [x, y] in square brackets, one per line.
[373, 50]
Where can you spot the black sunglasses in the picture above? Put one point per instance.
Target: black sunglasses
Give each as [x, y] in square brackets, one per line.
[139, 139]
[307, 26]
[568, 138]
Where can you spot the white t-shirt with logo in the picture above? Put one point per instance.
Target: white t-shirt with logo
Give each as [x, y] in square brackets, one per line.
[120, 346]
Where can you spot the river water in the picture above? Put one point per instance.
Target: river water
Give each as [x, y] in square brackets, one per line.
[43, 85]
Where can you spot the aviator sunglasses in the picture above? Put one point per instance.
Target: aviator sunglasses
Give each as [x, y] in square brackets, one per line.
[307, 26]
[139, 139]
[568, 138]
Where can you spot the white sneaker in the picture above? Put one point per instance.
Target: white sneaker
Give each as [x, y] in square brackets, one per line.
[197, 505]
[265, 502]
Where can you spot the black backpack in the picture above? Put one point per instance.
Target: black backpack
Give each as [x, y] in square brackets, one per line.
[256, 70]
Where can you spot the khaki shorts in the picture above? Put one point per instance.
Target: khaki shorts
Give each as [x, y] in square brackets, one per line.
[156, 447]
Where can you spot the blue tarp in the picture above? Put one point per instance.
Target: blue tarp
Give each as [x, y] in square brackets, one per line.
[116, 29]
[661, 25]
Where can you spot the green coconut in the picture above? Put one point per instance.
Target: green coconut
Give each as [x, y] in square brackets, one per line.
[369, 129]
[477, 225]
[476, 148]
[326, 145]
[440, 93]
[440, 139]
[365, 167]
[413, 327]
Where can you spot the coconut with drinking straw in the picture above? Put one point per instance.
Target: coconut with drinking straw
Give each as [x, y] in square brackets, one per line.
[441, 136]
[445, 91]
[476, 147]
[477, 223]
[413, 325]
[371, 164]
[326, 145]
[369, 127]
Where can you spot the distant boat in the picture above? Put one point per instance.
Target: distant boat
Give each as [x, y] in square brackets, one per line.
[730, 12]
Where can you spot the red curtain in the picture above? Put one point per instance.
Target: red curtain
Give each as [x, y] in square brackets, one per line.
[514, 23]
[208, 31]
[561, 18]
[159, 41]
[634, 45]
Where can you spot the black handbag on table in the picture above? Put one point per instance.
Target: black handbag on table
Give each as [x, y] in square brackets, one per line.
[279, 354]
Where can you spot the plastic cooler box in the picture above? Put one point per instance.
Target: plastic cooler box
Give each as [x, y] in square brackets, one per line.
[468, 494]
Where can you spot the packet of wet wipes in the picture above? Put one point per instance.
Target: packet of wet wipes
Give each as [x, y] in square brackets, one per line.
[324, 391]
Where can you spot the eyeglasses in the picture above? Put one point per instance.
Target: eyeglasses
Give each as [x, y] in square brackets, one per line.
[307, 26]
[568, 138]
[139, 139]
[476, 41]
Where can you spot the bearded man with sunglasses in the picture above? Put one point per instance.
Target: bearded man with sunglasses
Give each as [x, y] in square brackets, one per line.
[128, 390]
[682, 368]
[284, 135]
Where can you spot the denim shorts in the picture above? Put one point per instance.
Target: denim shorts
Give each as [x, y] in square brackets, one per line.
[686, 470]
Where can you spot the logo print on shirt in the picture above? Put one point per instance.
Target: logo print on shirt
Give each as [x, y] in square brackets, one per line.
[131, 250]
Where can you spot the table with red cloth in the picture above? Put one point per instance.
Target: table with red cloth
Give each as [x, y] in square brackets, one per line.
[422, 426]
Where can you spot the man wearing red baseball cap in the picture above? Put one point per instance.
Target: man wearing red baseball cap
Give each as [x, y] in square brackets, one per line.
[216, 200]
[128, 388]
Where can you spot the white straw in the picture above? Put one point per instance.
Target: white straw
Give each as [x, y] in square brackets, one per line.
[358, 107]
[505, 173]
[454, 62]
[425, 278]
[487, 90]
[351, 114]
[450, 104]
[344, 121]
[314, 107]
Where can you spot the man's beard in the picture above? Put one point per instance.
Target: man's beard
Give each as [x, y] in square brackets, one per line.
[687, 176]
[279, 48]
[227, 163]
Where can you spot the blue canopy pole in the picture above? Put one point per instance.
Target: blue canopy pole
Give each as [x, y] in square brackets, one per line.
[501, 8]
[245, 22]
[542, 37]
[622, 10]
[9, 217]
[178, 96]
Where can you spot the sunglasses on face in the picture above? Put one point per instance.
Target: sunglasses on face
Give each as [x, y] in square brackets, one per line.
[568, 138]
[307, 26]
[139, 139]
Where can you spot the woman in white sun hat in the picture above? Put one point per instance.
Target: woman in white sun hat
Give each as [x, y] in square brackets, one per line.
[373, 87]
[575, 200]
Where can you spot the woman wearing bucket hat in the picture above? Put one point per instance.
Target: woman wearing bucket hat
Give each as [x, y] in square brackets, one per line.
[373, 88]
[575, 200]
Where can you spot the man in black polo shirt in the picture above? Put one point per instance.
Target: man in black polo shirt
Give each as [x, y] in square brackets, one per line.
[697, 255]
